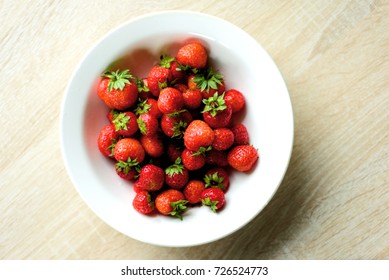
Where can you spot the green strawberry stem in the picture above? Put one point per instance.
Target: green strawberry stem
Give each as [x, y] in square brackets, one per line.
[120, 121]
[208, 79]
[176, 168]
[214, 104]
[213, 180]
[178, 208]
[118, 79]
[212, 204]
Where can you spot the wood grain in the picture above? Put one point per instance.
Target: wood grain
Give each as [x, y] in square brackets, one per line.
[333, 201]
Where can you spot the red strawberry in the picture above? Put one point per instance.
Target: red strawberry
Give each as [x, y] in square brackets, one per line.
[193, 55]
[107, 140]
[216, 113]
[129, 150]
[192, 160]
[235, 99]
[176, 175]
[168, 62]
[198, 134]
[152, 144]
[118, 90]
[214, 198]
[127, 170]
[143, 202]
[143, 89]
[174, 125]
[209, 82]
[148, 124]
[218, 158]
[151, 178]
[171, 202]
[217, 177]
[148, 105]
[158, 78]
[192, 98]
[181, 87]
[193, 190]
[242, 157]
[125, 123]
[241, 135]
[224, 138]
[170, 100]
[173, 152]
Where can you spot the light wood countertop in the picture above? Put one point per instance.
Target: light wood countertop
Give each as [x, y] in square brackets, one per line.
[334, 200]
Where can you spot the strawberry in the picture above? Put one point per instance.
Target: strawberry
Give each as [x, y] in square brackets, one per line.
[198, 134]
[158, 78]
[173, 152]
[241, 135]
[224, 138]
[152, 145]
[209, 82]
[192, 98]
[129, 150]
[170, 63]
[127, 170]
[125, 123]
[181, 87]
[174, 125]
[143, 202]
[171, 202]
[217, 177]
[216, 112]
[118, 90]
[151, 178]
[143, 89]
[214, 198]
[242, 157]
[148, 124]
[235, 99]
[176, 175]
[170, 100]
[193, 190]
[192, 160]
[107, 140]
[148, 105]
[193, 55]
[218, 158]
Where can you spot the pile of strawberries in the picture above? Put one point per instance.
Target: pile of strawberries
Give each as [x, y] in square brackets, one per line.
[175, 133]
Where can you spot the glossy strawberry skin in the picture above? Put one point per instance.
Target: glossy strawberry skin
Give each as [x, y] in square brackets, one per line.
[157, 76]
[242, 157]
[224, 138]
[153, 145]
[106, 139]
[148, 124]
[116, 98]
[235, 99]
[178, 180]
[174, 126]
[241, 135]
[170, 100]
[191, 161]
[125, 128]
[216, 197]
[198, 134]
[217, 158]
[192, 98]
[164, 199]
[193, 190]
[129, 148]
[193, 55]
[223, 182]
[143, 202]
[151, 178]
[222, 118]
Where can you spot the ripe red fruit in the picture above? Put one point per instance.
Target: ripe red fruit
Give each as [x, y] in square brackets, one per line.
[174, 125]
[214, 198]
[148, 105]
[170, 100]
[218, 158]
[129, 149]
[192, 160]
[198, 134]
[151, 178]
[125, 123]
[242, 157]
[107, 139]
[193, 55]
[241, 135]
[158, 79]
[152, 144]
[143, 202]
[173, 152]
[193, 190]
[216, 112]
[127, 171]
[209, 82]
[224, 138]
[168, 62]
[118, 90]
[217, 177]
[192, 98]
[148, 124]
[176, 175]
[171, 202]
[235, 99]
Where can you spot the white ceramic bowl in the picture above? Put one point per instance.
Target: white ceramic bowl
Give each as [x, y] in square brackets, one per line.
[245, 65]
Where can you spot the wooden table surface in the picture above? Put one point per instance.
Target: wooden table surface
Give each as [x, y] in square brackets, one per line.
[334, 200]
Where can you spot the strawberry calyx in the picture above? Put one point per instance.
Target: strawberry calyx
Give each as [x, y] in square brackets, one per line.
[111, 147]
[117, 79]
[214, 180]
[178, 208]
[211, 203]
[127, 166]
[120, 121]
[166, 60]
[142, 107]
[142, 126]
[202, 151]
[176, 168]
[214, 104]
[208, 79]
[142, 86]
[179, 129]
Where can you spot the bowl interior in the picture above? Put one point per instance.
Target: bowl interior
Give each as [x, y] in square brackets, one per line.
[137, 45]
